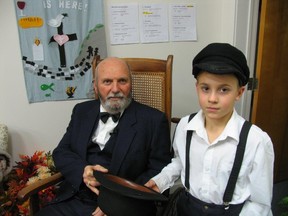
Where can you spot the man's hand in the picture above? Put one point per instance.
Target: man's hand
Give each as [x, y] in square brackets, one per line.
[98, 212]
[151, 184]
[89, 179]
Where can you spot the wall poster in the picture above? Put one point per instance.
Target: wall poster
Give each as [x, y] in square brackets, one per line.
[58, 39]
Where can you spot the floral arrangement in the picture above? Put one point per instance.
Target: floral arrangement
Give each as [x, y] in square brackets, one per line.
[30, 169]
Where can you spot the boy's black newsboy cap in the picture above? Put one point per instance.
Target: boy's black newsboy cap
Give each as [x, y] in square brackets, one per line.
[222, 58]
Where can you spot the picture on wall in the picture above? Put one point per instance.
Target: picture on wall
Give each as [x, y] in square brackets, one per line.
[58, 40]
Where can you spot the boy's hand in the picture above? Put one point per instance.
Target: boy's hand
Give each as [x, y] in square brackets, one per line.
[151, 184]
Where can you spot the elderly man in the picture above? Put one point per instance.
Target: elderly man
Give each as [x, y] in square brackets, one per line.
[112, 134]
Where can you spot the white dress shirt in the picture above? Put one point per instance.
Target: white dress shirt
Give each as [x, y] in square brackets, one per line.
[104, 130]
[211, 164]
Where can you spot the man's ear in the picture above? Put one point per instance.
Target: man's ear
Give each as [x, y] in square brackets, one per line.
[95, 89]
[240, 92]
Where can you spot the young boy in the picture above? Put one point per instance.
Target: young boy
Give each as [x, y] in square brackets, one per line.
[221, 72]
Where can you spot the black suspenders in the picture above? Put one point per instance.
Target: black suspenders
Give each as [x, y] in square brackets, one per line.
[236, 165]
[187, 162]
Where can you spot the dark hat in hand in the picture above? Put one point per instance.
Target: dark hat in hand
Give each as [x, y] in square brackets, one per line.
[121, 197]
[222, 58]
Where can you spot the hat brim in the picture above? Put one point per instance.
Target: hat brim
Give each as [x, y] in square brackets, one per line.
[128, 188]
[218, 67]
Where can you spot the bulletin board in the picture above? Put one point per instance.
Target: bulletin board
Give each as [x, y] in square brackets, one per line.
[58, 39]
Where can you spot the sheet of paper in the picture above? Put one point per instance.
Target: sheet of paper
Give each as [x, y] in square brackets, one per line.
[183, 22]
[153, 23]
[38, 53]
[124, 27]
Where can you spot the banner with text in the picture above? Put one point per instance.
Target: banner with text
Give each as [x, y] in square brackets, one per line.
[58, 40]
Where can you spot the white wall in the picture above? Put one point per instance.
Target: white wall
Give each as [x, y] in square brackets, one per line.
[40, 126]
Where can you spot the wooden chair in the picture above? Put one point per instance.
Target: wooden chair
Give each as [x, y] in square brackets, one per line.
[151, 85]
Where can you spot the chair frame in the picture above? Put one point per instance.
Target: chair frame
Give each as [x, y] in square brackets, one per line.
[139, 65]
[136, 65]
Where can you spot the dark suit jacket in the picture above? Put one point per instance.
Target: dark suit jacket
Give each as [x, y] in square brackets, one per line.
[141, 151]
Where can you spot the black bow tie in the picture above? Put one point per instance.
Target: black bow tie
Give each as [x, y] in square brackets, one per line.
[105, 115]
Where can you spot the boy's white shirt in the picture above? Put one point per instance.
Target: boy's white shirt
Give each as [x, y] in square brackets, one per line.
[208, 171]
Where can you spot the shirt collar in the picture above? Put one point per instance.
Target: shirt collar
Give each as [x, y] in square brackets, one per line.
[102, 109]
[232, 128]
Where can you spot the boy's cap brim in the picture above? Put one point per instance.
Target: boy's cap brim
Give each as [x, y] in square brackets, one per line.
[119, 196]
[222, 58]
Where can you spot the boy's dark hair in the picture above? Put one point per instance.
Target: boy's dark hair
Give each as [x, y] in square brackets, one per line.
[222, 58]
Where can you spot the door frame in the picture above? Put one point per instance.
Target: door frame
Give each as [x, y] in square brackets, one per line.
[245, 39]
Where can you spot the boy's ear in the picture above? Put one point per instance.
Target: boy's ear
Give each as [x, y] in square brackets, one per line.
[240, 92]
[196, 84]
